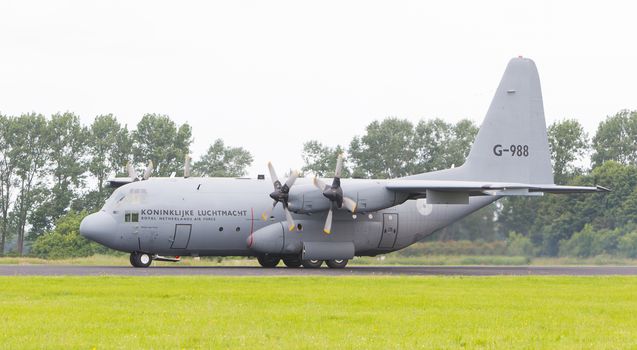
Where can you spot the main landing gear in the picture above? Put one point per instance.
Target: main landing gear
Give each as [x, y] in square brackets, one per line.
[336, 263]
[268, 261]
[294, 262]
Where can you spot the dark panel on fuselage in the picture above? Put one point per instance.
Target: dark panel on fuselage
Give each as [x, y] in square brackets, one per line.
[182, 236]
[390, 231]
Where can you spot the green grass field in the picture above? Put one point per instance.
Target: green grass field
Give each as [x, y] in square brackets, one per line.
[318, 312]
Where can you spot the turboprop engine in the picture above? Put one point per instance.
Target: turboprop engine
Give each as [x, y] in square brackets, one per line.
[271, 240]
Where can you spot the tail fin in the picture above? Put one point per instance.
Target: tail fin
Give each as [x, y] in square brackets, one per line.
[511, 145]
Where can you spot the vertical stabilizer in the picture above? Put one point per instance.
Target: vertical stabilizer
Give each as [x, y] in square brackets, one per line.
[512, 144]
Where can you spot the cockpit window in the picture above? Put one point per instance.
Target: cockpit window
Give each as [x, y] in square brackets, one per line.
[115, 198]
[131, 217]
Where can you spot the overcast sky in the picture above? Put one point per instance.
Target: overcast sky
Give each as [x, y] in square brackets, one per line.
[269, 75]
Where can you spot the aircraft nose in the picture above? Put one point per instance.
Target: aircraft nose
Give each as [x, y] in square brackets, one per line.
[98, 227]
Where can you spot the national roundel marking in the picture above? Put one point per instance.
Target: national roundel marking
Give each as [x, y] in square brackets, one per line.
[424, 208]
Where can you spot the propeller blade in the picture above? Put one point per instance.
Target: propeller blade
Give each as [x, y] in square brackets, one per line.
[328, 222]
[187, 166]
[266, 214]
[289, 219]
[339, 166]
[131, 171]
[149, 170]
[290, 181]
[273, 176]
[319, 184]
[350, 204]
[281, 194]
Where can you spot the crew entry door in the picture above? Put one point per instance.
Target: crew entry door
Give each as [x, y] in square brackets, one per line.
[182, 236]
[390, 231]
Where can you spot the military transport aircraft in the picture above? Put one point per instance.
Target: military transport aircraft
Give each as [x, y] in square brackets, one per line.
[332, 220]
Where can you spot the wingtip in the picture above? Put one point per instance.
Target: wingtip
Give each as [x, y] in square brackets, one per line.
[603, 189]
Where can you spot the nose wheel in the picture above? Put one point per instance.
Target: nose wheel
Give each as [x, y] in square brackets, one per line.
[138, 259]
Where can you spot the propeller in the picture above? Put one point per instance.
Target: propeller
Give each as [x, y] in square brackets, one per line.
[281, 194]
[132, 173]
[148, 171]
[335, 194]
[187, 166]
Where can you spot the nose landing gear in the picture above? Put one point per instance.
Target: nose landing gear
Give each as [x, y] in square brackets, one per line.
[138, 259]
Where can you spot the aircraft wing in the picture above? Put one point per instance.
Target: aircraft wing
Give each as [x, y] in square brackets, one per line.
[116, 182]
[458, 192]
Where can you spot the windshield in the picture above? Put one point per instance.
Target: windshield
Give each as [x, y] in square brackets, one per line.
[115, 198]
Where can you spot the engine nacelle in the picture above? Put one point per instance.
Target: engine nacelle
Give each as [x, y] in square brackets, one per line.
[370, 196]
[271, 240]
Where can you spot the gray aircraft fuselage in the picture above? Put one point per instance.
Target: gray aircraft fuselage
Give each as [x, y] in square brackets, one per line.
[217, 216]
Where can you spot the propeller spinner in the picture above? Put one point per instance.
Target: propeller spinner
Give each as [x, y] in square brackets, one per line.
[281, 194]
[335, 194]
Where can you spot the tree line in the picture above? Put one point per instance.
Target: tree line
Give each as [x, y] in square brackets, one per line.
[53, 166]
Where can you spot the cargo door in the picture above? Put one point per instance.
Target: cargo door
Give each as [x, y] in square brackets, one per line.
[182, 236]
[390, 231]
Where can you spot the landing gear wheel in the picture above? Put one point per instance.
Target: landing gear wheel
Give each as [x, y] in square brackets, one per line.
[292, 262]
[138, 259]
[311, 264]
[336, 263]
[268, 261]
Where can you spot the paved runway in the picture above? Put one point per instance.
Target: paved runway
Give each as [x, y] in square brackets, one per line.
[55, 270]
